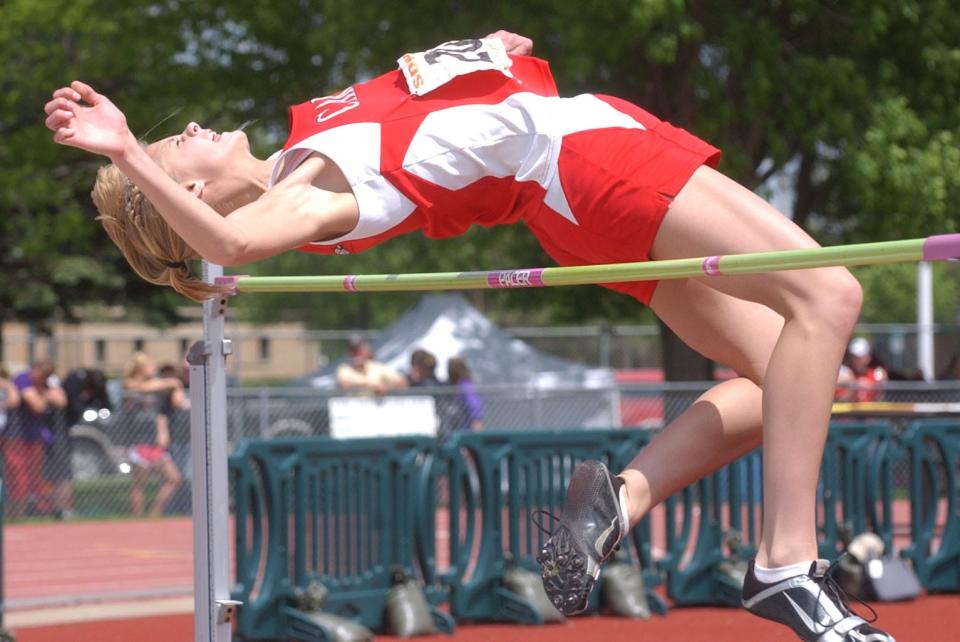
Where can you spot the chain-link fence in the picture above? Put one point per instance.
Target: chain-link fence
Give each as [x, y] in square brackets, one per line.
[109, 458]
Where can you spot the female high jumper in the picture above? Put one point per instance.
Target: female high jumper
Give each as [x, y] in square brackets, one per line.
[473, 132]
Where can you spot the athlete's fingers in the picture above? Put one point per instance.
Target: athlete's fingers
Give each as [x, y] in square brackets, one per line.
[67, 92]
[86, 92]
[514, 43]
[59, 103]
[58, 119]
[63, 135]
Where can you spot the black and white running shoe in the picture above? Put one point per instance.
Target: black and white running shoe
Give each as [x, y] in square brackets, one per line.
[813, 605]
[590, 529]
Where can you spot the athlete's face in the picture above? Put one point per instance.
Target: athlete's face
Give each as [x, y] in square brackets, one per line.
[198, 154]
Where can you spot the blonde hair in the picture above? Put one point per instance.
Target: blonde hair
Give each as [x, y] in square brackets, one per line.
[149, 244]
[138, 361]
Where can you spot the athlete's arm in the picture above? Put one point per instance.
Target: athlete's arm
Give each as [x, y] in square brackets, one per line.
[294, 212]
[280, 220]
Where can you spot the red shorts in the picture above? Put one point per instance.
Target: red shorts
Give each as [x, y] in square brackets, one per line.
[619, 184]
[23, 470]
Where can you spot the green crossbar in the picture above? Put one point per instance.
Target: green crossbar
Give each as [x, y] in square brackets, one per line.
[940, 247]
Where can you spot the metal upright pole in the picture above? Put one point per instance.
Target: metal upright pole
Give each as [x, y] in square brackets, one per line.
[213, 608]
[925, 319]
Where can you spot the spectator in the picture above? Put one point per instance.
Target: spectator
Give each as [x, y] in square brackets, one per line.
[364, 373]
[469, 406]
[86, 389]
[860, 374]
[423, 366]
[9, 402]
[9, 399]
[42, 402]
[149, 452]
[175, 406]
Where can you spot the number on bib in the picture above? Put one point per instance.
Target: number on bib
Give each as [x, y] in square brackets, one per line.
[427, 70]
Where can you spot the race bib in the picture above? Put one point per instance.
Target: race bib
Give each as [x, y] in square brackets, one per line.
[427, 70]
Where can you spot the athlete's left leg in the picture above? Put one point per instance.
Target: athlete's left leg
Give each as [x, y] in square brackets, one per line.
[726, 421]
[714, 215]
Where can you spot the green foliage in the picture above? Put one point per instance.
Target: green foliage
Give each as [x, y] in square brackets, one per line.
[893, 292]
[855, 106]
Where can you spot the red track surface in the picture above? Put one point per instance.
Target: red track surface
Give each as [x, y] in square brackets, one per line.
[67, 561]
[932, 619]
[47, 563]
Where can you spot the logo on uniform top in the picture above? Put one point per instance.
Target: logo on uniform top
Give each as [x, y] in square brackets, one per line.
[327, 107]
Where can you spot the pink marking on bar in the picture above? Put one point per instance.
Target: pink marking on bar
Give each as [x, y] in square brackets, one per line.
[941, 247]
[350, 283]
[531, 278]
[228, 281]
[711, 266]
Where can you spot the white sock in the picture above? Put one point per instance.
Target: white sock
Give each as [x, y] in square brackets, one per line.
[623, 505]
[772, 575]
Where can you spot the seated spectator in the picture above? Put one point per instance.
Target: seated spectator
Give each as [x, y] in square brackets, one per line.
[363, 373]
[42, 402]
[149, 451]
[423, 366]
[860, 374]
[468, 404]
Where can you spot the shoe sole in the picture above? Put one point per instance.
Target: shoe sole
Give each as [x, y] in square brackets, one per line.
[564, 572]
[564, 568]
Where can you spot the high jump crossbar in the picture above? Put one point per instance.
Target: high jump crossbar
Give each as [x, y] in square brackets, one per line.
[214, 610]
[932, 248]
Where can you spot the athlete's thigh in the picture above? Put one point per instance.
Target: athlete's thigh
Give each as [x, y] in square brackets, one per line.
[731, 331]
[714, 215]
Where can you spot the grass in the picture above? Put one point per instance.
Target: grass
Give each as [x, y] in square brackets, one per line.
[103, 498]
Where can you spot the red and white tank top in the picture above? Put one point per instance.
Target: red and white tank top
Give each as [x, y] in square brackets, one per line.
[481, 149]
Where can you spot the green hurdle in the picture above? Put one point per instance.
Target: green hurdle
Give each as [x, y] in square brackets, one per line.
[504, 478]
[718, 518]
[344, 513]
[857, 483]
[934, 447]
[341, 514]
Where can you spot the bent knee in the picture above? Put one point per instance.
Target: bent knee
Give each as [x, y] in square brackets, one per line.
[834, 297]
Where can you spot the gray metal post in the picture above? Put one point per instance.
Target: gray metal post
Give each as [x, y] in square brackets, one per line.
[925, 319]
[213, 608]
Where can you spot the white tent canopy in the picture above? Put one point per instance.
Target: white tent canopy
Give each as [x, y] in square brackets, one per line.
[522, 387]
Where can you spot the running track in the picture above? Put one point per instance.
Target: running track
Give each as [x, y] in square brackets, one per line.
[57, 564]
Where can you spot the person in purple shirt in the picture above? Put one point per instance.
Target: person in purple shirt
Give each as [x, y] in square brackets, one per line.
[28, 437]
[468, 402]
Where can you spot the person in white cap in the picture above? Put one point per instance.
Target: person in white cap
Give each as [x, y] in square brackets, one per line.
[860, 374]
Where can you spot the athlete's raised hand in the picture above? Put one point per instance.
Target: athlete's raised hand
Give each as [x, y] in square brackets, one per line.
[80, 117]
[514, 43]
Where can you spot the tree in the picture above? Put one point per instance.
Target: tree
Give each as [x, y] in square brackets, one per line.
[53, 257]
[851, 107]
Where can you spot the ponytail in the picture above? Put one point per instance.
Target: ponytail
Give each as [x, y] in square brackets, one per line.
[147, 242]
